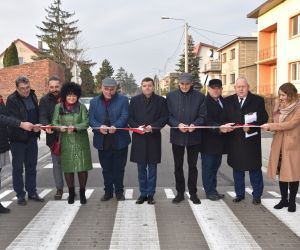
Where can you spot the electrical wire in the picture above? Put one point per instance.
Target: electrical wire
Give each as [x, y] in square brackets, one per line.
[214, 32]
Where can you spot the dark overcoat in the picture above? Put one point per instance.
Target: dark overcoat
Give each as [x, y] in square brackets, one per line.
[146, 148]
[213, 141]
[244, 153]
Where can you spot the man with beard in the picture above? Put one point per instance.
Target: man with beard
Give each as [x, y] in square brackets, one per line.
[46, 107]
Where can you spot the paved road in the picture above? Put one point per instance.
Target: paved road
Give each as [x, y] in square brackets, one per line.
[125, 225]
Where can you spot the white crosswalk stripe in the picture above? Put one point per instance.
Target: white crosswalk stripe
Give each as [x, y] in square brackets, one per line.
[291, 220]
[5, 193]
[128, 193]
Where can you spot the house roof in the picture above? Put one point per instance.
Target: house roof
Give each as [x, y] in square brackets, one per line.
[199, 45]
[264, 8]
[240, 38]
[29, 46]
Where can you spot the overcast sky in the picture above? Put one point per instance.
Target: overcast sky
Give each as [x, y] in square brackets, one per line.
[131, 33]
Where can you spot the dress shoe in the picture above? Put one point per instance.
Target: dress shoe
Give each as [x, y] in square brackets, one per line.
[35, 197]
[151, 201]
[141, 199]
[213, 197]
[256, 201]
[292, 207]
[106, 197]
[221, 196]
[178, 198]
[58, 195]
[4, 210]
[120, 197]
[238, 199]
[282, 204]
[21, 201]
[194, 198]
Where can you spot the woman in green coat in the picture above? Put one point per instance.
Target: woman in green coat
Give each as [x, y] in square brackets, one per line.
[72, 118]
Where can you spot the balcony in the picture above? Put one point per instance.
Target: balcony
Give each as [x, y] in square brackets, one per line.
[267, 55]
[212, 66]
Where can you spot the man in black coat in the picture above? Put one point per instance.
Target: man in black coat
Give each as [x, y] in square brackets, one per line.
[213, 141]
[4, 145]
[23, 105]
[149, 112]
[46, 110]
[187, 109]
[244, 144]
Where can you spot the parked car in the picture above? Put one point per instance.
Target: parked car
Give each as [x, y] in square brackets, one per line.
[86, 101]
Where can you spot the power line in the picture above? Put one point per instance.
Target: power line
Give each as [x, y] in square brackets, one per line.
[205, 37]
[214, 32]
[134, 40]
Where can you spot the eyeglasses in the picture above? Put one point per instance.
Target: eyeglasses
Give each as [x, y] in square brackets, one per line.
[24, 88]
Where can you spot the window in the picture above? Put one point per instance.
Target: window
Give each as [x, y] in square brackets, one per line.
[21, 60]
[223, 57]
[232, 78]
[232, 54]
[295, 71]
[295, 25]
[224, 79]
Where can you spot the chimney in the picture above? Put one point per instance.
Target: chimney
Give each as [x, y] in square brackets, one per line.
[40, 45]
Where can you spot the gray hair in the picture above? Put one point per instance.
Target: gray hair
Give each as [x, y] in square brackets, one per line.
[21, 79]
[242, 78]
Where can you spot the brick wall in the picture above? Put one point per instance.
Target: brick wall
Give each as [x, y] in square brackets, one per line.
[37, 72]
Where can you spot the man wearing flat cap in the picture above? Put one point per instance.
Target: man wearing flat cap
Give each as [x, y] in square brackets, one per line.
[108, 112]
[187, 109]
[213, 141]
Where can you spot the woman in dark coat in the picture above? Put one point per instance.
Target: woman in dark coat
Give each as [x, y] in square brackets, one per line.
[149, 112]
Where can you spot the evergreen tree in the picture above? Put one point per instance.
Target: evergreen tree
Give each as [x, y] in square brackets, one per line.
[131, 85]
[106, 70]
[121, 77]
[126, 83]
[193, 64]
[60, 34]
[87, 78]
[11, 56]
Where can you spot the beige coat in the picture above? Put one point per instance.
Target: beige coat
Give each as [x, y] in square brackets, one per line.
[287, 140]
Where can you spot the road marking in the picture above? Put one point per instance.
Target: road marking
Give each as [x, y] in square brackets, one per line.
[291, 220]
[232, 194]
[45, 192]
[135, 227]
[6, 192]
[169, 193]
[276, 195]
[47, 228]
[128, 194]
[6, 203]
[88, 194]
[220, 227]
[95, 165]
[249, 190]
[65, 196]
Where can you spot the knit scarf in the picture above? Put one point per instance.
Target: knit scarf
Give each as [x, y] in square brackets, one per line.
[287, 110]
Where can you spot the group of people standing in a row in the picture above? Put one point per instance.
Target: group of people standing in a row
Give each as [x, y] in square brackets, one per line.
[66, 122]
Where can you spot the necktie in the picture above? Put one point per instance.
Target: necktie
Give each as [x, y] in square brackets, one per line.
[220, 103]
[241, 102]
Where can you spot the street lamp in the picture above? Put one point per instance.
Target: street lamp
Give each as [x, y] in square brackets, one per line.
[186, 67]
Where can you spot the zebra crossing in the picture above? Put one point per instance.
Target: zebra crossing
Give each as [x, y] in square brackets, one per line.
[137, 227]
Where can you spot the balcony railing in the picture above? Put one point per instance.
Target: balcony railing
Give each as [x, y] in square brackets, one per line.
[267, 53]
[212, 66]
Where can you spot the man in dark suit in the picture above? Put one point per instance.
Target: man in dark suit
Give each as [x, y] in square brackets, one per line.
[213, 141]
[244, 144]
[149, 112]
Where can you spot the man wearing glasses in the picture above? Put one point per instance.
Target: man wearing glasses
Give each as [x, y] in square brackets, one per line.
[23, 105]
[187, 109]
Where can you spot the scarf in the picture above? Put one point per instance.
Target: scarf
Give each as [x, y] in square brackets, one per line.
[68, 106]
[287, 110]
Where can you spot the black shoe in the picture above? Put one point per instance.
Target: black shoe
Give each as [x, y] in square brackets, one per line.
[35, 197]
[292, 207]
[151, 201]
[141, 199]
[194, 198]
[179, 198]
[214, 197]
[71, 197]
[238, 199]
[120, 197]
[282, 204]
[106, 197]
[256, 201]
[82, 196]
[21, 201]
[221, 196]
[4, 210]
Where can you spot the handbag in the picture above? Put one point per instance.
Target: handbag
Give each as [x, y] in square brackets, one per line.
[55, 148]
